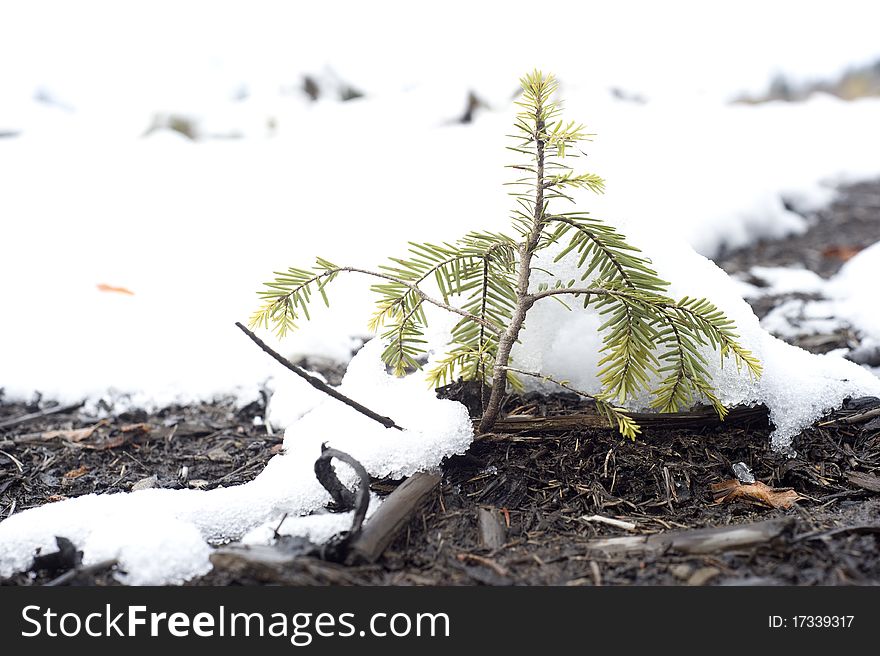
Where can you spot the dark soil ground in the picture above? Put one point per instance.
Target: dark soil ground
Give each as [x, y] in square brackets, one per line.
[542, 487]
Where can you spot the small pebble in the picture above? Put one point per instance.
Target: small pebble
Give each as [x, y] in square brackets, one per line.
[145, 483]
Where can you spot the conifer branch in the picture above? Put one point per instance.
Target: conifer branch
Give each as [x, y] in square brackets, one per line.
[283, 300]
[645, 333]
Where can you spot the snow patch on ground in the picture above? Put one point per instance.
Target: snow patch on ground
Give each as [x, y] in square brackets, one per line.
[797, 387]
[785, 280]
[847, 300]
[161, 536]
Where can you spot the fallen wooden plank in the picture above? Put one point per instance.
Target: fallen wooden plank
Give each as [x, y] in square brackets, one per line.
[697, 541]
[697, 419]
[397, 509]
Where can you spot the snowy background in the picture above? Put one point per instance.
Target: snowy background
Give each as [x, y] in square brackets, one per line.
[183, 151]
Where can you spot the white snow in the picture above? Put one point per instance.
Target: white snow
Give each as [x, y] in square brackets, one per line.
[846, 301]
[854, 289]
[161, 536]
[797, 387]
[785, 280]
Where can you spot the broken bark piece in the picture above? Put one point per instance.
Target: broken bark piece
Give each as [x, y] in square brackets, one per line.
[397, 509]
[697, 541]
[493, 535]
[865, 481]
[757, 493]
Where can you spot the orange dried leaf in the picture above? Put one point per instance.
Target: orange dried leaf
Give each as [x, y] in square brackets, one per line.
[758, 493]
[841, 252]
[116, 290]
[136, 428]
[75, 473]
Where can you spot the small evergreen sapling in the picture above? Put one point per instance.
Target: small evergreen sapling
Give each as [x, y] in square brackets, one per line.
[645, 332]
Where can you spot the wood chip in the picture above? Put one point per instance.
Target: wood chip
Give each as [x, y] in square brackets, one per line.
[842, 252]
[218, 454]
[864, 481]
[397, 509]
[493, 534]
[703, 575]
[610, 521]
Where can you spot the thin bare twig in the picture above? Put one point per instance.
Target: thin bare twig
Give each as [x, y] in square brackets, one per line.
[317, 383]
[561, 383]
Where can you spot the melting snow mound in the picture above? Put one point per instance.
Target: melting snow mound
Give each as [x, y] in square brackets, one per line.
[161, 536]
[798, 387]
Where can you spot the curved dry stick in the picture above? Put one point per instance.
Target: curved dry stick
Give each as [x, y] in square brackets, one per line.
[344, 498]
